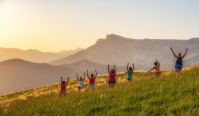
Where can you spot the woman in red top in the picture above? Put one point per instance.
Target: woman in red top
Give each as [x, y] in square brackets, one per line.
[63, 87]
[112, 75]
[156, 68]
[92, 80]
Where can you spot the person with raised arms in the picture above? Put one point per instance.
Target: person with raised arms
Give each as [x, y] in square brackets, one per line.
[63, 87]
[92, 80]
[178, 65]
[156, 68]
[129, 73]
[112, 75]
[81, 81]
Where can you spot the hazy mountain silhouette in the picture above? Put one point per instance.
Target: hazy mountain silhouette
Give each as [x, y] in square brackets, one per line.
[82, 66]
[69, 52]
[17, 74]
[119, 50]
[34, 55]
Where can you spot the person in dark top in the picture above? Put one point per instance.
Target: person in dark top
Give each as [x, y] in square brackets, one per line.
[178, 65]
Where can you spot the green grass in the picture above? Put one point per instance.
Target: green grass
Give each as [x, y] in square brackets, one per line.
[147, 95]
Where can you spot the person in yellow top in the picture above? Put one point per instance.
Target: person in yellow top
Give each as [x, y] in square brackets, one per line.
[156, 68]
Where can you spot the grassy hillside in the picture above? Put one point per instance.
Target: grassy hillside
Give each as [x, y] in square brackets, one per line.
[147, 95]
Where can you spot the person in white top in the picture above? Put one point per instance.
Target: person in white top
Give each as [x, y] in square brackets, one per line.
[81, 81]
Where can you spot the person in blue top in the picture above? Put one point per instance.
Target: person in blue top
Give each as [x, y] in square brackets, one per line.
[129, 72]
[179, 64]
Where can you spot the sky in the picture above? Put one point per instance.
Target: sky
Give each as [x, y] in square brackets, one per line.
[56, 25]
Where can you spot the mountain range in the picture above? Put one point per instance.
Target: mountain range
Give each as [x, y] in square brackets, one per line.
[31, 68]
[115, 49]
[34, 55]
[18, 74]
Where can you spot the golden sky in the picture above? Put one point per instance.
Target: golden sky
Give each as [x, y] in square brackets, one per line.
[52, 26]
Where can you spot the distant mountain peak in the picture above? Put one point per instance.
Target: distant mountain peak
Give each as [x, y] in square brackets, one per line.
[79, 48]
[113, 36]
[195, 38]
[100, 40]
[116, 37]
[15, 60]
[70, 52]
[33, 50]
[82, 61]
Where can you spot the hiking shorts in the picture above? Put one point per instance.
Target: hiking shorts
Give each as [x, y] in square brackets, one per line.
[178, 68]
[111, 82]
[91, 85]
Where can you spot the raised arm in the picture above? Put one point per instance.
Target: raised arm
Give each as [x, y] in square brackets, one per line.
[108, 69]
[84, 76]
[61, 80]
[185, 53]
[67, 81]
[127, 67]
[114, 69]
[158, 62]
[133, 67]
[151, 69]
[77, 77]
[173, 53]
[95, 73]
[87, 75]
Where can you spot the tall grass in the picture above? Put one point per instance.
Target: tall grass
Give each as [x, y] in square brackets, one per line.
[146, 95]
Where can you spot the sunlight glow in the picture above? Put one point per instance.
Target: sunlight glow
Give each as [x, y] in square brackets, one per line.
[54, 26]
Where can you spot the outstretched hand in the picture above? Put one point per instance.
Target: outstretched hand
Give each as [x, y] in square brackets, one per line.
[61, 77]
[133, 64]
[95, 70]
[127, 63]
[186, 49]
[171, 49]
[68, 78]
